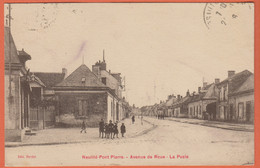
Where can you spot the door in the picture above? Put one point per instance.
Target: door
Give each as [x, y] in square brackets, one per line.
[231, 111]
[117, 111]
[248, 110]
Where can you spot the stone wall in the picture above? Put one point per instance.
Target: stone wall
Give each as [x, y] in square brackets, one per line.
[68, 108]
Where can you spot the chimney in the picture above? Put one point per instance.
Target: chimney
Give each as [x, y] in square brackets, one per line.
[204, 84]
[169, 97]
[65, 72]
[96, 70]
[199, 89]
[231, 73]
[179, 96]
[217, 80]
[188, 93]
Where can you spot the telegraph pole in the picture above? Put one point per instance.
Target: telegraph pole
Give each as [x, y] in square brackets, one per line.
[10, 48]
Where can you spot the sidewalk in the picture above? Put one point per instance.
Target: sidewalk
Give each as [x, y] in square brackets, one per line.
[55, 136]
[215, 124]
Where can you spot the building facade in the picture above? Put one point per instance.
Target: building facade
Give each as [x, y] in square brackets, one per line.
[17, 90]
[226, 107]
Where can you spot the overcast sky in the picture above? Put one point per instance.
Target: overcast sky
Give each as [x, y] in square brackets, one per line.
[163, 46]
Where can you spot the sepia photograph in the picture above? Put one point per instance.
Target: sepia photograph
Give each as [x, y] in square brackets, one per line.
[129, 84]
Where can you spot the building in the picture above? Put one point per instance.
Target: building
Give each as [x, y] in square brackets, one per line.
[232, 87]
[17, 90]
[82, 96]
[201, 105]
[181, 106]
[170, 110]
[42, 101]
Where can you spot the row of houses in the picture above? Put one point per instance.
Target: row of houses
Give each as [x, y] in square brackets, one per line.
[229, 100]
[38, 100]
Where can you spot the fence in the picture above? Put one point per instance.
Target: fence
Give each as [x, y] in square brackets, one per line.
[41, 117]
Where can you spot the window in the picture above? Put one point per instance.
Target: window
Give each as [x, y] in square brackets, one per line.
[82, 104]
[240, 110]
[83, 80]
[104, 80]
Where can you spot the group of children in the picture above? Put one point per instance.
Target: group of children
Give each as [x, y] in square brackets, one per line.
[110, 130]
[107, 130]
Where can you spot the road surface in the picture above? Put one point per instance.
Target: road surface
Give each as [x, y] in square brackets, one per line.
[169, 143]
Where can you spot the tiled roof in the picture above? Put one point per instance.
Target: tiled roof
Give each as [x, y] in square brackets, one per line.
[248, 85]
[75, 79]
[197, 97]
[236, 80]
[171, 101]
[50, 79]
[211, 93]
[14, 55]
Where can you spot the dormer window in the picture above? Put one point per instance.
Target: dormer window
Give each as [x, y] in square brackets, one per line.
[83, 80]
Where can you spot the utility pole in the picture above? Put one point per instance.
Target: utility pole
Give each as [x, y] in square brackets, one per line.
[10, 48]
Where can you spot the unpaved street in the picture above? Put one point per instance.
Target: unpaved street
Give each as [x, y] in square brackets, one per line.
[172, 142]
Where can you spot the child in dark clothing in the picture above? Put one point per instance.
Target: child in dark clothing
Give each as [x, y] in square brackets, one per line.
[123, 129]
[115, 130]
[83, 127]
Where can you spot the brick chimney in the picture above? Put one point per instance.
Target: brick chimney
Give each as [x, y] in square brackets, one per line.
[231, 73]
[199, 89]
[65, 72]
[96, 70]
[217, 80]
[179, 96]
[188, 93]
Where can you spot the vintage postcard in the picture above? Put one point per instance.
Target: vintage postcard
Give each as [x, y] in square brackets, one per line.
[129, 84]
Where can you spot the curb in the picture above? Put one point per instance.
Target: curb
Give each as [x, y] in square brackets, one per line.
[76, 142]
[147, 130]
[213, 126]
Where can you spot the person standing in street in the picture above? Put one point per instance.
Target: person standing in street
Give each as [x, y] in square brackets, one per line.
[83, 127]
[123, 129]
[133, 119]
[101, 128]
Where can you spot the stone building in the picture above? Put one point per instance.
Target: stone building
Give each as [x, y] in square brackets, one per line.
[229, 88]
[17, 90]
[82, 96]
[181, 106]
[42, 101]
[200, 104]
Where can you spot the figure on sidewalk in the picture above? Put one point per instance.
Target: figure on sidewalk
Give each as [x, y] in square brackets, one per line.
[123, 129]
[101, 128]
[133, 119]
[106, 131]
[83, 127]
[110, 129]
[115, 130]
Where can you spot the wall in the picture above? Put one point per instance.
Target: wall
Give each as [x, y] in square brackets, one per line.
[68, 108]
[244, 99]
[198, 106]
[111, 82]
[12, 117]
[13, 108]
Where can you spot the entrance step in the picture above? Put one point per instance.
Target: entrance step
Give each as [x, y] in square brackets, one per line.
[29, 132]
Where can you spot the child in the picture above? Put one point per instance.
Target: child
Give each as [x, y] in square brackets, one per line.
[123, 130]
[106, 131]
[83, 127]
[115, 130]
